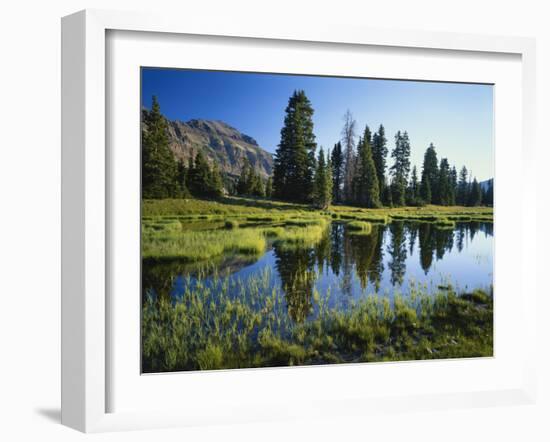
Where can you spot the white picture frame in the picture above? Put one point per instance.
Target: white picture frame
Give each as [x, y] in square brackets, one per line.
[86, 315]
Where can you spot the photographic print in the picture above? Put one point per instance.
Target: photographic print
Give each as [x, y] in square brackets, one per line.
[296, 220]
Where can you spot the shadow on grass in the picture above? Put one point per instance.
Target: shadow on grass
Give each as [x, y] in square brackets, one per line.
[264, 204]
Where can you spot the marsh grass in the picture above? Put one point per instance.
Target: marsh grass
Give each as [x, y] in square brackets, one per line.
[168, 240]
[273, 211]
[222, 322]
[235, 324]
[201, 245]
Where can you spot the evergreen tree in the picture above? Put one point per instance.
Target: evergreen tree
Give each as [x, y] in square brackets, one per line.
[475, 194]
[444, 183]
[322, 194]
[379, 154]
[414, 188]
[295, 156]
[400, 168]
[488, 200]
[348, 138]
[367, 191]
[337, 160]
[463, 192]
[215, 183]
[425, 190]
[256, 184]
[454, 186]
[430, 176]
[159, 169]
[182, 180]
[202, 180]
[244, 184]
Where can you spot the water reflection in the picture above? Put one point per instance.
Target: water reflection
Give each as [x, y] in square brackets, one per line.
[349, 265]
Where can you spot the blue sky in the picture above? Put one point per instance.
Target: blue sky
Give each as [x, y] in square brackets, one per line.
[457, 118]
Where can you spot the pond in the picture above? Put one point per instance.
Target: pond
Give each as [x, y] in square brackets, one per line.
[401, 257]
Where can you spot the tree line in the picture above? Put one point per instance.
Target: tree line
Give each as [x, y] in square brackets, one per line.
[358, 170]
[355, 172]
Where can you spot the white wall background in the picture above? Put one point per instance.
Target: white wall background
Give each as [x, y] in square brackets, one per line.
[30, 215]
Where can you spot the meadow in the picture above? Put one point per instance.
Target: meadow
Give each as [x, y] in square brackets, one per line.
[278, 315]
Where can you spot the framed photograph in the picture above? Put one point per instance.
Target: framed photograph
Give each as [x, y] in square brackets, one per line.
[261, 222]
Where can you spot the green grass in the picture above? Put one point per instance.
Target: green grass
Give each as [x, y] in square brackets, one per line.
[253, 327]
[201, 245]
[169, 240]
[211, 329]
[274, 211]
[190, 229]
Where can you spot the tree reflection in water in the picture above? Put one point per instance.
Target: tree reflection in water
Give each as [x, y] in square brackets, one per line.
[341, 256]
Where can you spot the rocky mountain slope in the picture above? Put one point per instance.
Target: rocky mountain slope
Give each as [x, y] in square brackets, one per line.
[221, 144]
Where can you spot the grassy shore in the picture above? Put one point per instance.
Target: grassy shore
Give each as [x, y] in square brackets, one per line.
[235, 324]
[196, 230]
[267, 210]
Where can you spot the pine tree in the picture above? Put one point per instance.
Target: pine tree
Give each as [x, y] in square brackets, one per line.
[367, 191]
[244, 182]
[489, 194]
[462, 194]
[202, 180]
[414, 188]
[425, 190]
[294, 162]
[430, 176]
[322, 193]
[257, 187]
[215, 183]
[337, 160]
[475, 194]
[400, 168]
[379, 154]
[444, 183]
[453, 186]
[159, 169]
[348, 138]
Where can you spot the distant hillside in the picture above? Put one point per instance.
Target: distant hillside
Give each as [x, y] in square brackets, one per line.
[485, 184]
[220, 143]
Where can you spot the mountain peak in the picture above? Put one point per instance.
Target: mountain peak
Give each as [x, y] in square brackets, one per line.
[221, 143]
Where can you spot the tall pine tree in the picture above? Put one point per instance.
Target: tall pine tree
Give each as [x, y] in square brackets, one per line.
[462, 193]
[430, 176]
[414, 188]
[400, 168]
[294, 161]
[379, 155]
[337, 160]
[159, 169]
[444, 184]
[367, 190]
[475, 194]
[322, 188]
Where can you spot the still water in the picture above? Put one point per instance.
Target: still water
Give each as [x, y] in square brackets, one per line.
[394, 258]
